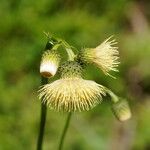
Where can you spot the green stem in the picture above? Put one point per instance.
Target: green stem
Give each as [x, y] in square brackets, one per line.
[64, 132]
[113, 96]
[69, 51]
[42, 119]
[56, 42]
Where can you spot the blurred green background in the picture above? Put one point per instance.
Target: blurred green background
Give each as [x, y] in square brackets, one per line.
[83, 23]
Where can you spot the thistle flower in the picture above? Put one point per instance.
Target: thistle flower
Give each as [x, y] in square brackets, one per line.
[71, 92]
[104, 56]
[49, 63]
[121, 110]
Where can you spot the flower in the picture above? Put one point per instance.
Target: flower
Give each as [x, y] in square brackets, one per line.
[121, 110]
[71, 92]
[104, 56]
[49, 63]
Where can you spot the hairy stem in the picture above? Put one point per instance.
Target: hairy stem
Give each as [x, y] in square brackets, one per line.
[42, 119]
[64, 131]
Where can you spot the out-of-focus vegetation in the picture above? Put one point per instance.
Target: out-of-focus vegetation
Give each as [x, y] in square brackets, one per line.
[83, 23]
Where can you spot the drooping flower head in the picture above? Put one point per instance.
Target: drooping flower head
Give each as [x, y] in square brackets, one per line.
[49, 63]
[71, 92]
[104, 56]
[121, 110]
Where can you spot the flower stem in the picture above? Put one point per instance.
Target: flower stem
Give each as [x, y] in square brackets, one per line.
[64, 131]
[112, 95]
[42, 119]
[69, 51]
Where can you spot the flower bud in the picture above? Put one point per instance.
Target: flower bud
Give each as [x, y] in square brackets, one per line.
[121, 110]
[49, 63]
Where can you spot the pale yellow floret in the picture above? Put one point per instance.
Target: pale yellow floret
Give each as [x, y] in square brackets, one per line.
[105, 56]
[72, 94]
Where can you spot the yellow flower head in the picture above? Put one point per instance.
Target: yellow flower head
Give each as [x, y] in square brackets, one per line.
[104, 56]
[71, 92]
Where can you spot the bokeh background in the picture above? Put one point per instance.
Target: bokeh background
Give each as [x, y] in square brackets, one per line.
[83, 23]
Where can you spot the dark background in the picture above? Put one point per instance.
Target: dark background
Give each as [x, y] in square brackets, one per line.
[83, 23]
